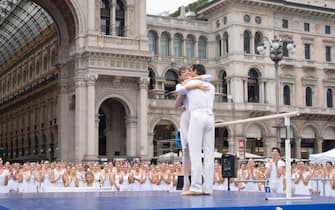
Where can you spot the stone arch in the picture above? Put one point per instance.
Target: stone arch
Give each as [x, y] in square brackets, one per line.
[309, 135]
[293, 138]
[309, 126]
[255, 134]
[155, 121]
[257, 68]
[328, 135]
[152, 77]
[163, 141]
[67, 17]
[115, 126]
[222, 136]
[261, 129]
[130, 109]
[153, 68]
[167, 68]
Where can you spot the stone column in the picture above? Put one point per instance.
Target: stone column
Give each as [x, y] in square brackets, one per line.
[64, 138]
[171, 47]
[91, 154]
[158, 45]
[143, 117]
[80, 119]
[97, 121]
[268, 143]
[183, 49]
[222, 46]
[112, 17]
[245, 83]
[196, 48]
[151, 144]
[231, 145]
[319, 142]
[298, 147]
[261, 92]
[131, 123]
[91, 15]
[229, 91]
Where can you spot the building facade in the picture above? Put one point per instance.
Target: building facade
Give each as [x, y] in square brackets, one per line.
[86, 79]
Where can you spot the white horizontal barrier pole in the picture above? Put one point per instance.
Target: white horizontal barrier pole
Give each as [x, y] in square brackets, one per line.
[269, 117]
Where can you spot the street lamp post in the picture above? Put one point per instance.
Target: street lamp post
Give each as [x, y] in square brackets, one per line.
[276, 55]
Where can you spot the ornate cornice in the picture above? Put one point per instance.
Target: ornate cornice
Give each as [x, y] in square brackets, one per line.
[275, 5]
[109, 61]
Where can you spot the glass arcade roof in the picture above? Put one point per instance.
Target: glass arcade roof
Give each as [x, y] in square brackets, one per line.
[20, 22]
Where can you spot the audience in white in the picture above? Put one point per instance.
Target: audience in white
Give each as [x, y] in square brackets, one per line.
[34, 177]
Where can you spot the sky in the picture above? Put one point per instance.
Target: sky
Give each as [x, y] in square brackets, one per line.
[155, 7]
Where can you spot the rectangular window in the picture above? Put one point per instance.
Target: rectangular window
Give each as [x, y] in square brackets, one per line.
[306, 27]
[328, 54]
[327, 29]
[307, 51]
[284, 23]
[104, 25]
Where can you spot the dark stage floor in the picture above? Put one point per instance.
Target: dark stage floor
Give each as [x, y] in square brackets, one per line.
[154, 200]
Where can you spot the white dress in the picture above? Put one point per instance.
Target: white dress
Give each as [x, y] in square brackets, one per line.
[147, 185]
[300, 188]
[137, 184]
[117, 184]
[275, 182]
[12, 184]
[58, 174]
[3, 188]
[251, 186]
[327, 186]
[125, 186]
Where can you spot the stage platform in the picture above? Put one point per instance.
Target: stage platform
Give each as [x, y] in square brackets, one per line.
[155, 200]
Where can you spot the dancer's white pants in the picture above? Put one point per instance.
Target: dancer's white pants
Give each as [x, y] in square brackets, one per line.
[184, 125]
[201, 138]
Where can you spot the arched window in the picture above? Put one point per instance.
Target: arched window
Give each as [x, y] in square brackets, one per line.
[247, 41]
[218, 46]
[224, 86]
[253, 86]
[153, 42]
[152, 79]
[164, 138]
[190, 46]
[202, 47]
[287, 95]
[225, 44]
[329, 98]
[105, 17]
[120, 18]
[221, 140]
[309, 96]
[164, 45]
[171, 80]
[177, 45]
[258, 40]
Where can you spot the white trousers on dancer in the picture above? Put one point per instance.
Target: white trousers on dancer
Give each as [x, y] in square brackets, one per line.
[201, 137]
[184, 125]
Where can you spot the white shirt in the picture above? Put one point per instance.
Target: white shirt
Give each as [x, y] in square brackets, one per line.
[273, 174]
[182, 91]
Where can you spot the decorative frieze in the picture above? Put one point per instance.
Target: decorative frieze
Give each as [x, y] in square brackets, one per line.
[110, 60]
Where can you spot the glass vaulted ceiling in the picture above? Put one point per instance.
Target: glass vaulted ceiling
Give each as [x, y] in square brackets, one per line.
[20, 22]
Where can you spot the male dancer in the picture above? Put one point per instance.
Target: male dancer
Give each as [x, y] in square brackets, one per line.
[201, 133]
[185, 74]
[275, 171]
